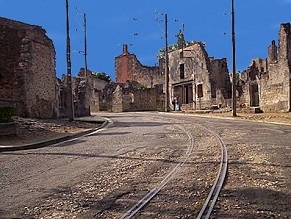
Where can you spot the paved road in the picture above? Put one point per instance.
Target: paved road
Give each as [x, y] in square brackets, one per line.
[33, 182]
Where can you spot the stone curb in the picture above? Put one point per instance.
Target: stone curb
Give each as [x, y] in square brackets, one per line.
[55, 140]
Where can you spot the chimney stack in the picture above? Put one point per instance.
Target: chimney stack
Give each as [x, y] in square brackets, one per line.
[125, 52]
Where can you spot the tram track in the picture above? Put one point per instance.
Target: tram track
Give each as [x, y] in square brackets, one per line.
[149, 196]
[212, 197]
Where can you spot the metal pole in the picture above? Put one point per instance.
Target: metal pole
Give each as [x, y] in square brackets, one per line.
[166, 66]
[69, 78]
[233, 62]
[85, 44]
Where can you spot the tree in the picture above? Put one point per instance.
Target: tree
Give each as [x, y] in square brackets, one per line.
[102, 76]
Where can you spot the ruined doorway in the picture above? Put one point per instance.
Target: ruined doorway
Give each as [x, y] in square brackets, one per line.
[199, 90]
[188, 94]
[255, 100]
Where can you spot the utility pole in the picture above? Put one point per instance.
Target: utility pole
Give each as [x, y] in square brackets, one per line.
[69, 70]
[233, 62]
[166, 66]
[85, 44]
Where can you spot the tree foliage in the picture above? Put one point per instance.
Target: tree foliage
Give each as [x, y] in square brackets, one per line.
[102, 76]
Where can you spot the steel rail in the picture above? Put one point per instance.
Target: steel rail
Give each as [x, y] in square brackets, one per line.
[149, 196]
[212, 197]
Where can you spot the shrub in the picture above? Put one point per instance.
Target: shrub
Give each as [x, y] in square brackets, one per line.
[6, 113]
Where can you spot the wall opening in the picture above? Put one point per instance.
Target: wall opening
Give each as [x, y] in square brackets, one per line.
[255, 101]
[182, 71]
[199, 90]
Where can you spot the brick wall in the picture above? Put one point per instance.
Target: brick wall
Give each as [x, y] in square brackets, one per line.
[128, 68]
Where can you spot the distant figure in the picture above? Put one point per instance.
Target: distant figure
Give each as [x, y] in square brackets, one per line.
[174, 103]
[177, 105]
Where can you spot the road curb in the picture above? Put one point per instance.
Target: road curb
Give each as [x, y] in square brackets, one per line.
[55, 140]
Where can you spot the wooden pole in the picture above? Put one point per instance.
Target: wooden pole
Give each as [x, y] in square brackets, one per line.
[166, 66]
[69, 75]
[233, 62]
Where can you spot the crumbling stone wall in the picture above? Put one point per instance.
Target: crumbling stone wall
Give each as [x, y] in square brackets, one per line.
[266, 83]
[27, 69]
[129, 98]
[220, 80]
[249, 87]
[117, 100]
[128, 68]
[276, 84]
[96, 103]
[88, 94]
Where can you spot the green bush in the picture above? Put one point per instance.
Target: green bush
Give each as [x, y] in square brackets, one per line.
[6, 113]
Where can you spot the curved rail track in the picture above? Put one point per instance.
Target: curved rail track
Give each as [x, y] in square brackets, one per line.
[219, 181]
[212, 197]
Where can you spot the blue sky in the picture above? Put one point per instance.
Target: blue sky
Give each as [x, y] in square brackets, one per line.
[112, 23]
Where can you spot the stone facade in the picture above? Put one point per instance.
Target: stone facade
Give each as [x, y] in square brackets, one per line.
[87, 93]
[137, 87]
[266, 83]
[27, 69]
[197, 80]
[128, 97]
[128, 68]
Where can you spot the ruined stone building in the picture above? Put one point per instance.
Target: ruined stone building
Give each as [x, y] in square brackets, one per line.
[28, 80]
[266, 84]
[128, 68]
[91, 94]
[137, 87]
[197, 80]
[87, 93]
[27, 70]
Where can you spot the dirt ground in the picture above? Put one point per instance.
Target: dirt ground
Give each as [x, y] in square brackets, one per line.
[38, 130]
[261, 117]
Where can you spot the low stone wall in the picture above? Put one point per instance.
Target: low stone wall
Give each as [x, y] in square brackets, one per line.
[8, 129]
